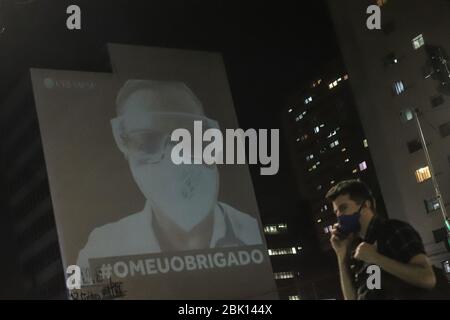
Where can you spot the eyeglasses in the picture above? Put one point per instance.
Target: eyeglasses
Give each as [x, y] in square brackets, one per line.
[152, 141]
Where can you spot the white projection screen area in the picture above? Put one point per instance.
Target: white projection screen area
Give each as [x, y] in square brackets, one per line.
[138, 225]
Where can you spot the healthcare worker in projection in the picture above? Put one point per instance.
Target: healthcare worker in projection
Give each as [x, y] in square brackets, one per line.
[182, 211]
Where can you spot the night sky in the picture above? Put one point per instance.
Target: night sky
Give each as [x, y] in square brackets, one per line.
[270, 48]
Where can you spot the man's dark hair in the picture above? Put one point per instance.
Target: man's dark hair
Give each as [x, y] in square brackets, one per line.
[357, 191]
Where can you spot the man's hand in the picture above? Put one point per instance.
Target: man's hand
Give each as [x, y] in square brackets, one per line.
[340, 246]
[366, 252]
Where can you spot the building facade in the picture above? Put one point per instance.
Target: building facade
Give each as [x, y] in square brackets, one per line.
[394, 71]
[28, 209]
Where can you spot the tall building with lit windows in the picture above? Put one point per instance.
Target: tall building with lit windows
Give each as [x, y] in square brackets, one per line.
[327, 144]
[286, 251]
[393, 71]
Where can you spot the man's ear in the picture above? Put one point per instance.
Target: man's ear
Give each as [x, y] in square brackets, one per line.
[367, 204]
[370, 203]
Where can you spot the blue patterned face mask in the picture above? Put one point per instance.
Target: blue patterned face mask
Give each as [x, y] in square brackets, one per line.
[350, 223]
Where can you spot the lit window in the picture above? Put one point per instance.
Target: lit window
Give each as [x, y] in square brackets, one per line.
[399, 87]
[363, 166]
[334, 144]
[332, 182]
[344, 149]
[418, 41]
[339, 80]
[297, 297]
[310, 157]
[316, 130]
[314, 167]
[275, 229]
[332, 134]
[282, 252]
[335, 83]
[283, 275]
[346, 77]
[423, 174]
[315, 84]
[300, 116]
[319, 220]
[330, 86]
[308, 100]
[355, 171]
[268, 230]
[290, 110]
[365, 143]
[298, 139]
[406, 115]
[322, 125]
[319, 188]
[346, 160]
[432, 205]
[447, 266]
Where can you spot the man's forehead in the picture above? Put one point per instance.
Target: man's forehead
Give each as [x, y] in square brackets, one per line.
[147, 100]
[162, 122]
[342, 199]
